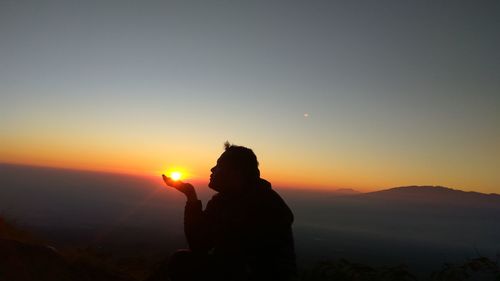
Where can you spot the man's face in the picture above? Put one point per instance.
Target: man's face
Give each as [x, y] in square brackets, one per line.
[224, 177]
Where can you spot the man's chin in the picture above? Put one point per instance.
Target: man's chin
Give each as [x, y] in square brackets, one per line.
[214, 188]
[211, 185]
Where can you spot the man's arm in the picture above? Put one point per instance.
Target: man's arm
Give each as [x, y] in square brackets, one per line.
[197, 227]
[196, 222]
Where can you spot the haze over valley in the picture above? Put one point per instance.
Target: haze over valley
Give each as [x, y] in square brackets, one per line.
[421, 226]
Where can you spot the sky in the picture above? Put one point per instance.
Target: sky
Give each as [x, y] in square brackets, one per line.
[329, 94]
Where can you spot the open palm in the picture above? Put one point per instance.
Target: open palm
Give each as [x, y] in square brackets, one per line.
[183, 187]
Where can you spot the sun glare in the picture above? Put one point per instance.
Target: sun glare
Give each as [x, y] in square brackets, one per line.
[176, 176]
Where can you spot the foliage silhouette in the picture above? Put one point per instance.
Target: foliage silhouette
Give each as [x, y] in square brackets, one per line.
[344, 270]
[478, 268]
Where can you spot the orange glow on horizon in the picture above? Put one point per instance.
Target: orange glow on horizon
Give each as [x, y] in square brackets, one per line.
[194, 163]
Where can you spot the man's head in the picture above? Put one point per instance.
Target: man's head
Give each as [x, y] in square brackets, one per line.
[236, 168]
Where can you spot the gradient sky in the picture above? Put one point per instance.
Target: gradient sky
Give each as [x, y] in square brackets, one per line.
[396, 92]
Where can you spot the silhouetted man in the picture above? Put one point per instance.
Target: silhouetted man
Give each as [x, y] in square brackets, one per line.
[245, 231]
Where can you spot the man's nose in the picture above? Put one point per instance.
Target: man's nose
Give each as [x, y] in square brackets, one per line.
[213, 169]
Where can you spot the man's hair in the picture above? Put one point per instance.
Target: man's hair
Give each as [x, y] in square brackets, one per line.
[243, 159]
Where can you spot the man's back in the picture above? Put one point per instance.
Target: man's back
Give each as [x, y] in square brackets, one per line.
[247, 232]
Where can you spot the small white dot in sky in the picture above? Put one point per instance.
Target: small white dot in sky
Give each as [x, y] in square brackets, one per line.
[306, 115]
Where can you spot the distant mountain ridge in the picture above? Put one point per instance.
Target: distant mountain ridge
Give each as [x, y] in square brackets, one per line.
[346, 191]
[435, 194]
[430, 188]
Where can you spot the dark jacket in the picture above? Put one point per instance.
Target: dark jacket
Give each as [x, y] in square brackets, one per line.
[249, 232]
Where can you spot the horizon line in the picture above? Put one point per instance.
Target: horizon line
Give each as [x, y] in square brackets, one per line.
[204, 182]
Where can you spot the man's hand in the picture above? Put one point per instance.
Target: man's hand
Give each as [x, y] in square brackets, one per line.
[183, 187]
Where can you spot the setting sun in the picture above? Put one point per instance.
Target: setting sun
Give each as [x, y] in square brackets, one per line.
[175, 176]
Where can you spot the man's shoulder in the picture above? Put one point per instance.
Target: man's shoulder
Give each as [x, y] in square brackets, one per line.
[273, 205]
[266, 192]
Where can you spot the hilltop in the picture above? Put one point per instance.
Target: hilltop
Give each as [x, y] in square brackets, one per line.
[436, 195]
